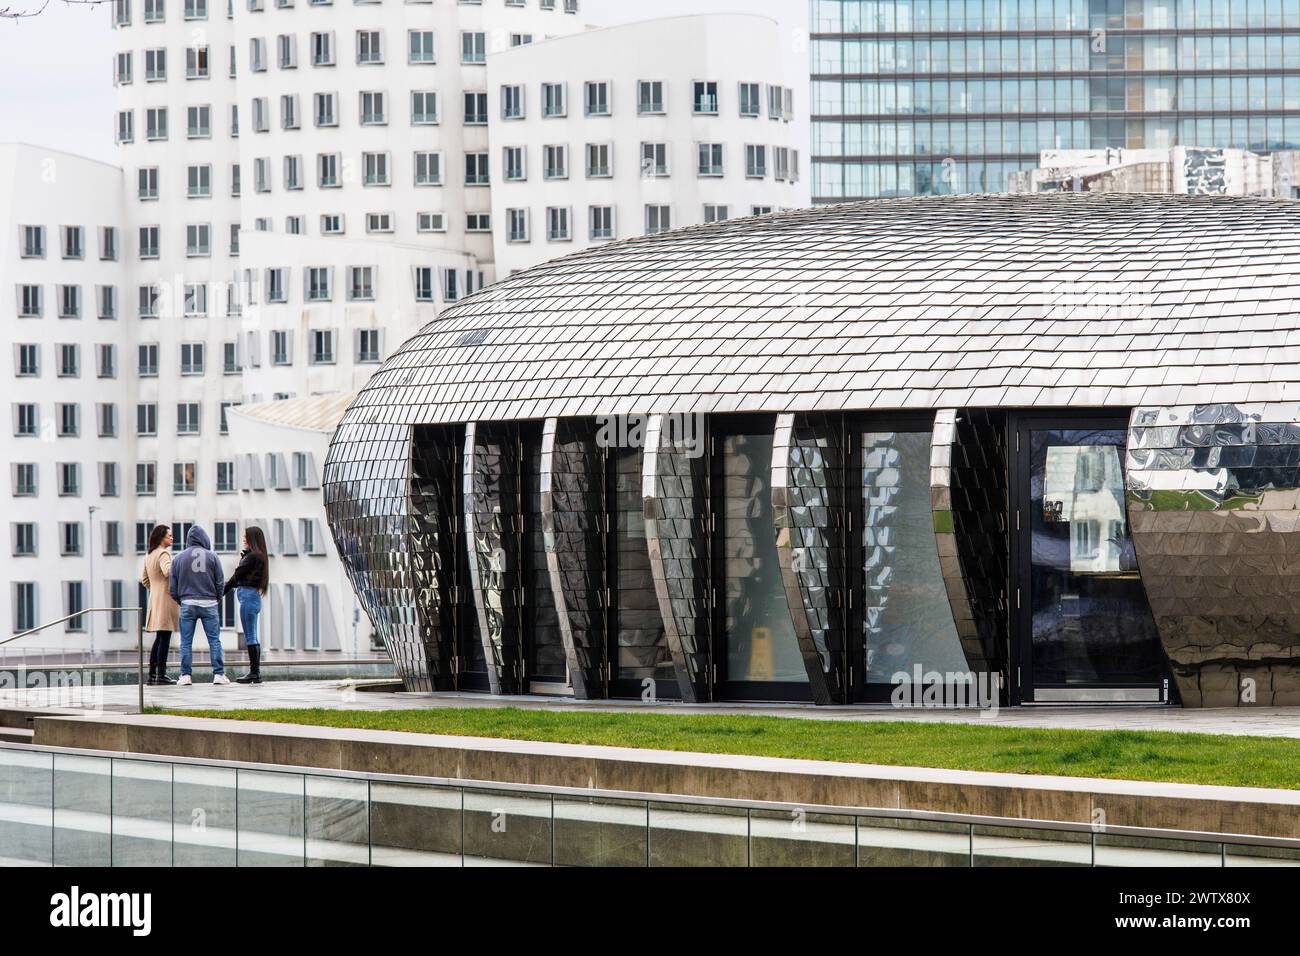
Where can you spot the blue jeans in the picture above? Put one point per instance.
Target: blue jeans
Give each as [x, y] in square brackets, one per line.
[250, 605]
[191, 615]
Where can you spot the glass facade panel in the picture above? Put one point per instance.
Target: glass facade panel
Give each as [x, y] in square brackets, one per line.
[1091, 622]
[641, 651]
[798, 838]
[760, 639]
[886, 842]
[1024, 846]
[907, 621]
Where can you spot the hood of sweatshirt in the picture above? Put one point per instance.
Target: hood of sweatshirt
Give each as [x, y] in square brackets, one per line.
[198, 538]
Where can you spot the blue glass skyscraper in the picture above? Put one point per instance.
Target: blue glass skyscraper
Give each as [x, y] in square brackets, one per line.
[944, 96]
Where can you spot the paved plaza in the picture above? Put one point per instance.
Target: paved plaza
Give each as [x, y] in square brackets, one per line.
[349, 695]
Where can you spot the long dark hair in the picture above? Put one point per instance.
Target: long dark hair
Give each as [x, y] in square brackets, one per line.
[156, 536]
[257, 545]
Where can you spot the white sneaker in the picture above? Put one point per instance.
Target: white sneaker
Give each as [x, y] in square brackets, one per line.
[185, 681]
[220, 679]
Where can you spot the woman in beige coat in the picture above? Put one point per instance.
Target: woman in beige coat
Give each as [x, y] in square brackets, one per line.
[163, 614]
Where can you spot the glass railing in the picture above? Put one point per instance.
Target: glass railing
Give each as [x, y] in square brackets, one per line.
[60, 806]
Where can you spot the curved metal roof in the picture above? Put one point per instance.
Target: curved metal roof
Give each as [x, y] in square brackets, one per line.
[1009, 300]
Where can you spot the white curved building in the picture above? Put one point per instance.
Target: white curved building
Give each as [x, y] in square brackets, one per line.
[637, 129]
[303, 186]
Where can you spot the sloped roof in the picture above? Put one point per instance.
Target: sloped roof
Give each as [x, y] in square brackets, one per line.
[950, 301]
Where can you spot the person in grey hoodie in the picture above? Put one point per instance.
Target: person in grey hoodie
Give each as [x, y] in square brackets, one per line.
[195, 583]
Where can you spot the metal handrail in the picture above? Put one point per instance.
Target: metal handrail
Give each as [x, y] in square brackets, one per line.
[69, 617]
[637, 796]
[139, 636]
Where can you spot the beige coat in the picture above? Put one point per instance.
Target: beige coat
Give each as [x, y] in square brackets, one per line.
[164, 614]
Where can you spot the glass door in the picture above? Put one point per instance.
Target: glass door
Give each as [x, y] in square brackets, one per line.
[757, 654]
[1084, 626]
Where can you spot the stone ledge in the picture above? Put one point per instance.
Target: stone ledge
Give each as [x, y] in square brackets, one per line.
[1211, 809]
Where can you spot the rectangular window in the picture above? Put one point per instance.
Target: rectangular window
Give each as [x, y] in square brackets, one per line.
[372, 109]
[424, 108]
[146, 419]
[367, 345]
[420, 46]
[361, 283]
[596, 98]
[70, 360]
[69, 479]
[293, 175]
[199, 182]
[327, 167]
[423, 284]
[649, 96]
[106, 300]
[25, 613]
[109, 485]
[183, 478]
[476, 169]
[369, 47]
[146, 478]
[225, 536]
[107, 418]
[187, 418]
[654, 160]
[74, 592]
[30, 302]
[24, 479]
[225, 477]
[322, 49]
[147, 182]
[29, 363]
[554, 100]
[108, 243]
[557, 224]
[27, 421]
[375, 167]
[512, 102]
[280, 350]
[73, 244]
[198, 122]
[555, 162]
[755, 161]
[428, 168]
[473, 47]
[24, 542]
[69, 301]
[658, 218]
[704, 99]
[196, 63]
[192, 358]
[750, 101]
[33, 242]
[598, 164]
[69, 416]
[155, 66]
[516, 225]
[198, 239]
[512, 163]
[714, 213]
[476, 109]
[325, 109]
[322, 347]
[710, 159]
[107, 353]
[317, 284]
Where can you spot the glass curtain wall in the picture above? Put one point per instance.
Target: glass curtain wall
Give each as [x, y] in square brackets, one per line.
[951, 96]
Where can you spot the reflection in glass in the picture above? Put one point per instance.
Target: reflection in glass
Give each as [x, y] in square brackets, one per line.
[83, 804]
[26, 796]
[797, 838]
[686, 835]
[919, 843]
[414, 825]
[907, 620]
[1027, 846]
[761, 644]
[142, 813]
[203, 815]
[542, 623]
[597, 831]
[642, 647]
[270, 815]
[507, 828]
[338, 822]
[1091, 620]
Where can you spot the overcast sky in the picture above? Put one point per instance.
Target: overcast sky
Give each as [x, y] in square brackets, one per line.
[56, 69]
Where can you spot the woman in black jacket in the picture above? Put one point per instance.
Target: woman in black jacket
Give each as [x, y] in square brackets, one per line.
[249, 582]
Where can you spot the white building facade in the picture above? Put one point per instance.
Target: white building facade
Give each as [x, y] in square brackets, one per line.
[303, 186]
[637, 129]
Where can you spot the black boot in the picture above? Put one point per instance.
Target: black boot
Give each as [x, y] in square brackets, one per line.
[153, 674]
[254, 675]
